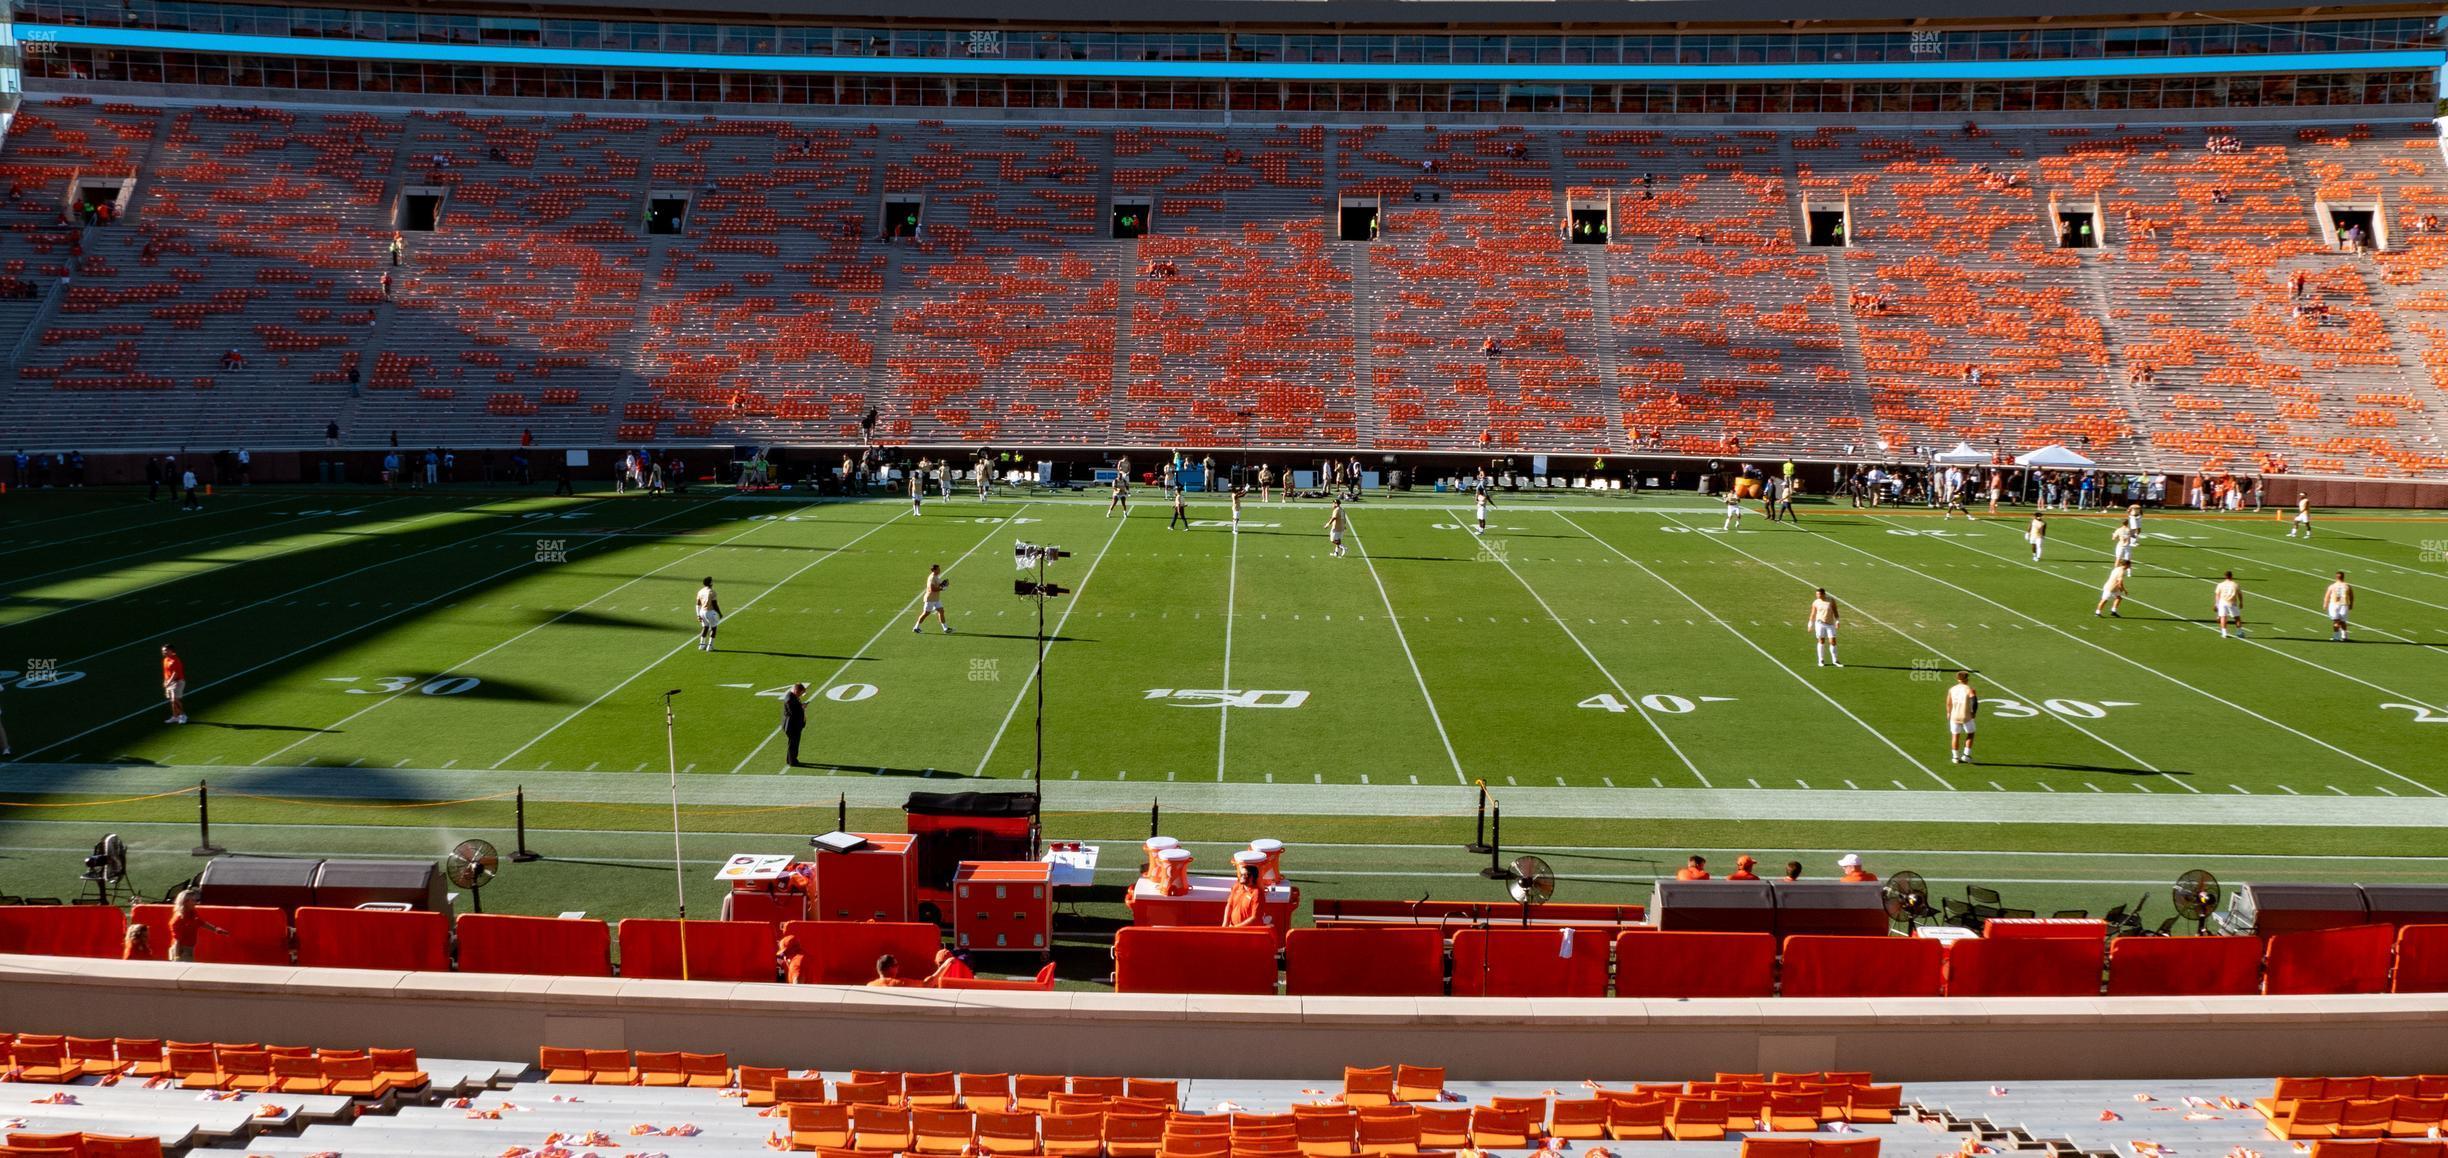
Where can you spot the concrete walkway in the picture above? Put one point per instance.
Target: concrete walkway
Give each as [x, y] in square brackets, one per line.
[867, 791]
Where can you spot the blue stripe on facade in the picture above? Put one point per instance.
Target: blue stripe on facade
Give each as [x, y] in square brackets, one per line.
[2300, 62]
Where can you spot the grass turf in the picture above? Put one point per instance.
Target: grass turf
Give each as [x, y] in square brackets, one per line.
[1583, 643]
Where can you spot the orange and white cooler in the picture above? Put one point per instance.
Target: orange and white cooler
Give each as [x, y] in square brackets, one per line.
[1271, 852]
[1173, 866]
[1156, 845]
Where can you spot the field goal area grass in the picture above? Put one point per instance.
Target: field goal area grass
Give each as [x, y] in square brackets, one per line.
[1632, 679]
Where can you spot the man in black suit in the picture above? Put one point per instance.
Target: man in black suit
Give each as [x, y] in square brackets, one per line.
[794, 719]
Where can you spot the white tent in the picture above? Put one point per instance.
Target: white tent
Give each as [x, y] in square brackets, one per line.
[2053, 457]
[1962, 455]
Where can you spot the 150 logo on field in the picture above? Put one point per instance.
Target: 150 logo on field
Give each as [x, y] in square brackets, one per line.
[1228, 698]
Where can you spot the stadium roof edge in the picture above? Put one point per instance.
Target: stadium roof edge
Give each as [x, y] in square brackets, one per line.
[1433, 14]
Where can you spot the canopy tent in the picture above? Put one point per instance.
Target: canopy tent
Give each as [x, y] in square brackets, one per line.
[1962, 455]
[2053, 456]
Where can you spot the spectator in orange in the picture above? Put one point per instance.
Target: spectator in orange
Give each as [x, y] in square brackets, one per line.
[183, 926]
[1245, 908]
[1793, 870]
[1742, 869]
[789, 958]
[1854, 873]
[138, 945]
[1697, 870]
[949, 967]
[888, 975]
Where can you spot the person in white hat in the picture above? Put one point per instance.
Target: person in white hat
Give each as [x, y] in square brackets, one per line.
[1245, 908]
[1853, 870]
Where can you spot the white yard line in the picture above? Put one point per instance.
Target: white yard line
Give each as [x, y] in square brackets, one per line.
[1077, 594]
[2321, 575]
[1629, 699]
[2122, 658]
[2306, 544]
[2103, 741]
[1232, 579]
[20, 582]
[895, 620]
[1764, 652]
[191, 625]
[1352, 528]
[692, 640]
[591, 601]
[320, 643]
[209, 512]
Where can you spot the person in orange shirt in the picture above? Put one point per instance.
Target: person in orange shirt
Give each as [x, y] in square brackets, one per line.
[1245, 908]
[1742, 870]
[888, 975]
[1854, 872]
[174, 685]
[949, 966]
[1697, 870]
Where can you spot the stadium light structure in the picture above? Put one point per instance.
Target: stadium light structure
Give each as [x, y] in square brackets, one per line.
[1033, 557]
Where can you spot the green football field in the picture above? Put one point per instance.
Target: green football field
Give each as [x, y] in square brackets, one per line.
[1630, 683]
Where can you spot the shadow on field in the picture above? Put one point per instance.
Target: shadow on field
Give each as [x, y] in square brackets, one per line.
[231, 727]
[2357, 643]
[872, 771]
[679, 620]
[795, 654]
[996, 635]
[2100, 768]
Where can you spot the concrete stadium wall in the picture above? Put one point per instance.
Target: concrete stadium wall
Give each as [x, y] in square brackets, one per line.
[363, 467]
[507, 1017]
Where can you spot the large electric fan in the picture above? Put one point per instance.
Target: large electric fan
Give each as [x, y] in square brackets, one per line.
[1531, 883]
[469, 866]
[106, 871]
[1907, 897]
[2197, 896]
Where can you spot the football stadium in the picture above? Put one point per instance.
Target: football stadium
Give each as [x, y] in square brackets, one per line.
[1223, 579]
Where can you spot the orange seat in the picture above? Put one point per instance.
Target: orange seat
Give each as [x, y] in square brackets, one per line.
[1035, 1092]
[1697, 1120]
[608, 1067]
[986, 1091]
[706, 1071]
[1444, 1127]
[1130, 1135]
[299, 1075]
[818, 1125]
[1075, 1135]
[659, 1068]
[1776, 1148]
[1873, 1105]
[1368, 1087]
[1419, 1083]
[942, 1130]
[1636, 1120]
[1578, 1118]
[1379, 1137]
[1333, 1135]
[1007, 1132]
[880, 1128]
[935, 1090]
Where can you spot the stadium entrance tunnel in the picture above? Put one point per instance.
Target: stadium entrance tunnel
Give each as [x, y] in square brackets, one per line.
[90, 196]
[901, 219]
[667, 212]
[1132, 219]
[1589, 224]
[2078, 228]
[420, 210]
[1356, 219]
[2356, 219]
[1829, 225]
